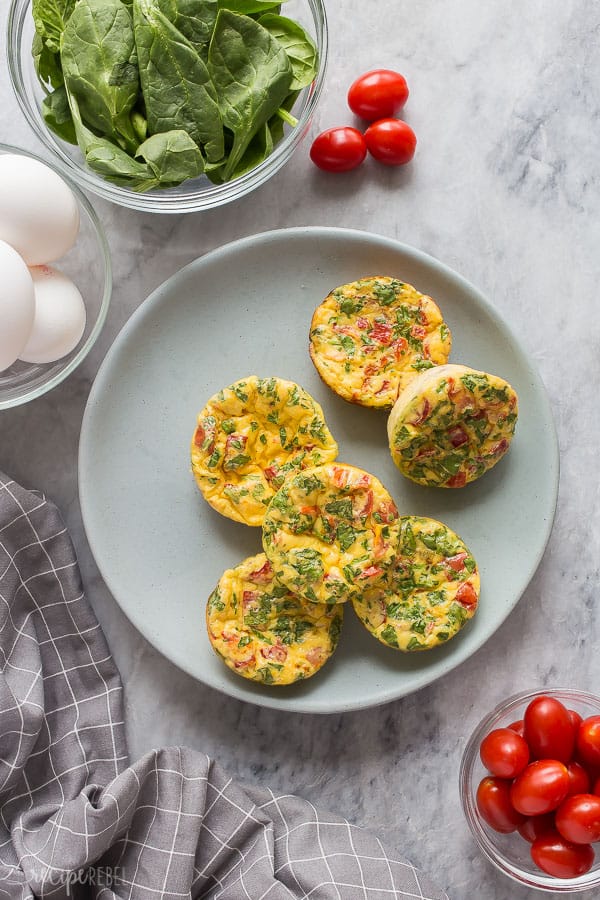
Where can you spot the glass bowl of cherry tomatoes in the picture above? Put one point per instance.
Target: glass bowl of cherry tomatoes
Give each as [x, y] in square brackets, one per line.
[530, 789]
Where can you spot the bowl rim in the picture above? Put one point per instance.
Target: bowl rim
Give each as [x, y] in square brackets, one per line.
[542, 882]
[40, 389]
[164, 201]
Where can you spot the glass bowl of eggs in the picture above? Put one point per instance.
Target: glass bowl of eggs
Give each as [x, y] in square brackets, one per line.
[186, 111]
[56, 275]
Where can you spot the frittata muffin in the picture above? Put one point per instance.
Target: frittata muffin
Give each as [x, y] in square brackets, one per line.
[331, 532]
[264, 633]
[368, 339]
[451, 424]
[251, 435]
[430, 593]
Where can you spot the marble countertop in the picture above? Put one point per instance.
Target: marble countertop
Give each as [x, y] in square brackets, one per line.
[504, 189]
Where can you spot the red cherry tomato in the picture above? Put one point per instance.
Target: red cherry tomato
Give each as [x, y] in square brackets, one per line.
[378, 94]
[560, 858]
[519, 727]
[338, 149]
[588, 741]
[540, 788]
[549, 730]
[575, 718]
[578, 819]
[579, 780]
[493, 803]
[504, 753]
[597, 787]
[535, 826]
[391, 141]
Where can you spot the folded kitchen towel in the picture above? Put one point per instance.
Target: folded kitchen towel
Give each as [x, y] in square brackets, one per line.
[77, 820]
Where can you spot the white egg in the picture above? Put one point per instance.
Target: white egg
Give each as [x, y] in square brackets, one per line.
[59, 320]
[17, 305]
[39, 215]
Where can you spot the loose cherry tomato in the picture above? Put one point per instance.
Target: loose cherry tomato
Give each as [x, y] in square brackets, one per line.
[378, 94]
[391, 141]
[519, 727]
[560, 858]
[549, 730]
[579, 780]
[575, 718]
[578, 819]
[493, 803]
[338, 149]
[540, 788]
[504, 753]
[535, 826]
[588, 741]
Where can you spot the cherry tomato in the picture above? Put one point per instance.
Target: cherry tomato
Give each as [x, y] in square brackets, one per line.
[579, 780]
[560, 858]
[378, 94]
[519, 727]
[535, 826]
[493, 803]
[588, 741]
[578, 819]
[549, 730]
[338, 149]
[391, 141]
[575, 718]
[597, 787]
[504, 753]
[540, 788]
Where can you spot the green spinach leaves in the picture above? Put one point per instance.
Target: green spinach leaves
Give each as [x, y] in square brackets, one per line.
[159, 91]
[98, 56]
[252, 72]
[176, 86]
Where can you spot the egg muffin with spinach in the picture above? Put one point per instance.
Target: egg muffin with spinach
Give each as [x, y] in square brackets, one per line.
[369, 338]
[452, 424]
[330, 533]
[249, 437]
[430, 593]
[263, 632]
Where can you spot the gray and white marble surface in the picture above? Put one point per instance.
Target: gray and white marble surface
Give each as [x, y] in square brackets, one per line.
[505, 189]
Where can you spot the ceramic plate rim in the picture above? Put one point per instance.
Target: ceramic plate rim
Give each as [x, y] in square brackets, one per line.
[419, 681]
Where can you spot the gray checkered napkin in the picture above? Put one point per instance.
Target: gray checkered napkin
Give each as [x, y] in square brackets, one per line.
[78, 821]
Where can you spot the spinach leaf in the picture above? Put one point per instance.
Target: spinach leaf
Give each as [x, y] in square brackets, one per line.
[277, 122]
[57, 115]
[139, 125]
[100, 66]
[109, 160]
[259, 148]
[47, 64]
[248, 7]
[251, 73]
[299, 47]
[173, 156]
[178, 92]
[195, 19]
[50, 18]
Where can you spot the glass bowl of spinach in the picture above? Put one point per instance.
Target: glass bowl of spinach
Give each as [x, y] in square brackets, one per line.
[168, 105]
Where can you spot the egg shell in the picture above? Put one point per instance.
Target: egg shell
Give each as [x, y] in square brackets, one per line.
[39, 215]
[59, 320]
[17, 305]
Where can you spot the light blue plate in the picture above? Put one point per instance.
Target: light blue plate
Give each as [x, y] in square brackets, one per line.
[245, 309]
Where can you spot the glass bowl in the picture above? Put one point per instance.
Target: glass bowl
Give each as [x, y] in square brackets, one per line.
[510, 852]
[88, 265]
[196, 194]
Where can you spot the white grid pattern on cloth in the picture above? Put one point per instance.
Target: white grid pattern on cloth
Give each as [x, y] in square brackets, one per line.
[172, 825]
